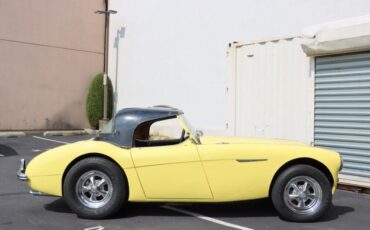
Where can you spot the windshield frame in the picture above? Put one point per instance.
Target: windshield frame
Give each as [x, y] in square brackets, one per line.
[189, 129]
[108, 128]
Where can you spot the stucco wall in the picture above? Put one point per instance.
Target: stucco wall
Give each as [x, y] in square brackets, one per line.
[49, 52]
[175, 52]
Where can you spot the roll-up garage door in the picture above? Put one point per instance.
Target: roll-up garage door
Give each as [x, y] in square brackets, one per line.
[342, 109]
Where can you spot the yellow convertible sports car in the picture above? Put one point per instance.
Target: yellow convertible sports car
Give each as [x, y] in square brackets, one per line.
[131, 161]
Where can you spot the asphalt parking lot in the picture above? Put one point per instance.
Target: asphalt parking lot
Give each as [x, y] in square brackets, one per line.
[19, 210]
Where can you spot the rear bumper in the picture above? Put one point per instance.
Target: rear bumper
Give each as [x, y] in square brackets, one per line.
[21, 171]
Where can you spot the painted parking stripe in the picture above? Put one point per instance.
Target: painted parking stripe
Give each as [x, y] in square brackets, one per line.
[47, 139]
[36, 150]
[210, 219]
[1, 155]
[95, 228]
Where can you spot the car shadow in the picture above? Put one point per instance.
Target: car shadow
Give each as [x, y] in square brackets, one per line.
[254, 208]
[7, 151]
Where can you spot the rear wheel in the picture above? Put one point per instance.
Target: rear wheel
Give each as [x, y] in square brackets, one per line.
[95, 188]
[301, 193]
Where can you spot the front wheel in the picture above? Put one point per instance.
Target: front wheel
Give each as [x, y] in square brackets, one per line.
[95, 188]
[301, 193]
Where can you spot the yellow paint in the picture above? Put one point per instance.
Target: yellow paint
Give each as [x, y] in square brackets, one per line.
[173, 171]
[49, 184]
[55, 161]
[208, 172]
[231, 180]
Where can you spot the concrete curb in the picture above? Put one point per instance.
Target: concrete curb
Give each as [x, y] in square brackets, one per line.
[12, 134]
[70, 132]
[92, 131]
[64, 133]
[354, 188]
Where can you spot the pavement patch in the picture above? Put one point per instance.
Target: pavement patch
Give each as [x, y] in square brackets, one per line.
[6, 151]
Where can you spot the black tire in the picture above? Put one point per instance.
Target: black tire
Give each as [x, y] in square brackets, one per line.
[113, 173]
[286, 208]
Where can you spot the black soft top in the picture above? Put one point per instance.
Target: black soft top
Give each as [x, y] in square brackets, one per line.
[127, 120]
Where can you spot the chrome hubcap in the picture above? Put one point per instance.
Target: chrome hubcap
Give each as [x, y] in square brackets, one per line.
[303, 195]
[94, 189]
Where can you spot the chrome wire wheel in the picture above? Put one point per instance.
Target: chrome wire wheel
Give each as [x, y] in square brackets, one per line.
[94, 189]
[303, 195]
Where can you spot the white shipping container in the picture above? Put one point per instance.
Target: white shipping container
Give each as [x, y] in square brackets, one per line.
[271, 90]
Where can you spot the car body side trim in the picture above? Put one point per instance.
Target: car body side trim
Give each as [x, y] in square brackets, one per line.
[249, 160]
[37, 193]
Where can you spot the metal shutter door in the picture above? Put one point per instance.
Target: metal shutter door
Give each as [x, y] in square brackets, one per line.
[342, 109]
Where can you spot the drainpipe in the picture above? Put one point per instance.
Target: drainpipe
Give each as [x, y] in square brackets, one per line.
[107, 14]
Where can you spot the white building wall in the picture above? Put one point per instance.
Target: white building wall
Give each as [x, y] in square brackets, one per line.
[175, 52]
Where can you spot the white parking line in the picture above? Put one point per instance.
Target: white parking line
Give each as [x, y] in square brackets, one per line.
[46, 139]
[36, 150]
[210, 219]
[95, 228]
[1, 155]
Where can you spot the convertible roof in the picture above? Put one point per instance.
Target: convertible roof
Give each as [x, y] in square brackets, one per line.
[139, 115]
[126, 121]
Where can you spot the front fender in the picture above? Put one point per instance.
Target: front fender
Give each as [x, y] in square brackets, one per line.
[45, 171]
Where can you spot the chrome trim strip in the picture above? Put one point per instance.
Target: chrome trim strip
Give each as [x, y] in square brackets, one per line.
[37, 193]
[249, 160]
[21, 171]
[22, 177]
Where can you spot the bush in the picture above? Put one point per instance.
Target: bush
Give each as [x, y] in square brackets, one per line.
[95, 101]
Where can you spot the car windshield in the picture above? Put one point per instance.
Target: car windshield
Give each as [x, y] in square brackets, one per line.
[108, 128]
[190, 128]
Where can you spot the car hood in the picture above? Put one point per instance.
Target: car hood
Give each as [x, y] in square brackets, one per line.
[207, 140]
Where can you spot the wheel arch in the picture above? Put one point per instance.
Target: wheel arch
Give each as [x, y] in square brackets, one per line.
[87, 155]
[307, 161]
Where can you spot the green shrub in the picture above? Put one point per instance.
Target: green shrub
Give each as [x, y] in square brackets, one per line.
[95, 101]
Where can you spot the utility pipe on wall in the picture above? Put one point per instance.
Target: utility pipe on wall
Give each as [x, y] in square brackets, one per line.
[107, 14]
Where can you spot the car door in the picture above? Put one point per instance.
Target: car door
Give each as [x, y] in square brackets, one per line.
[236, 172]
[171, 172]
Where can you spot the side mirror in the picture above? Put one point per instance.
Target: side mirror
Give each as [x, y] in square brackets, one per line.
[199, 133]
